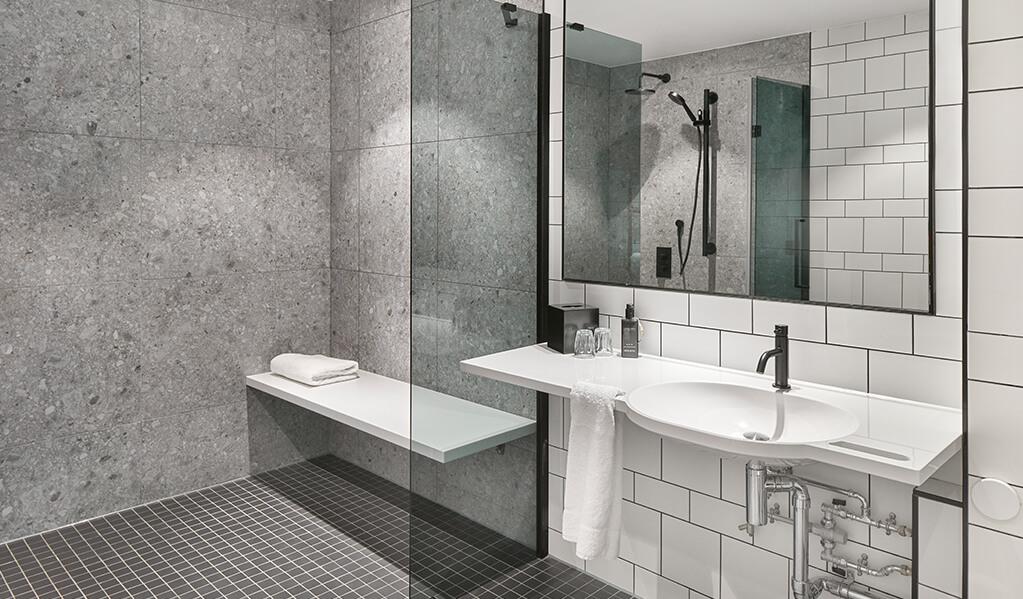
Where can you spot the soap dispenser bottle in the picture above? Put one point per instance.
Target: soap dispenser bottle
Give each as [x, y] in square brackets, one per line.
[630, 333]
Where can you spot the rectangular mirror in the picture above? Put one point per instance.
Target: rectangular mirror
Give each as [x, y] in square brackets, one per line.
[785, 155]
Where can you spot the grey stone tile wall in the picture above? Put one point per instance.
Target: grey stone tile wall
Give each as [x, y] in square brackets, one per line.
[158, 244]
[370, 211]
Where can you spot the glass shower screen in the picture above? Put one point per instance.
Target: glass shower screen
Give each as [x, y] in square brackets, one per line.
[474, 291]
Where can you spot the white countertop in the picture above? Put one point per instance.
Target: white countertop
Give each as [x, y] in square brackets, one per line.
[441, 427]
[898, 439]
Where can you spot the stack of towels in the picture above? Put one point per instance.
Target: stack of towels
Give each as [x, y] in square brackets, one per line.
[314, 370]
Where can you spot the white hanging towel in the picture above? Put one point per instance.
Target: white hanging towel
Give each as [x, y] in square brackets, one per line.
[593, 486]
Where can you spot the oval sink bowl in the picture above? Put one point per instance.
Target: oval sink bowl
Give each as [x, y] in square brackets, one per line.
[738, 419]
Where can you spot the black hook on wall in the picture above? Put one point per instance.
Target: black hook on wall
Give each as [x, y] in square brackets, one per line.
[508, 10]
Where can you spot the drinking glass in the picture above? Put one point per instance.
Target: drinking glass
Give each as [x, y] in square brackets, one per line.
[603, 336]
[584, 343]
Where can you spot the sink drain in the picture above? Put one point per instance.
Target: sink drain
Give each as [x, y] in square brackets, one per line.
[755, 436]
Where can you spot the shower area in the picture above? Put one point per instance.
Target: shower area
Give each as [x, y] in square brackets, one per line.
[192, 188]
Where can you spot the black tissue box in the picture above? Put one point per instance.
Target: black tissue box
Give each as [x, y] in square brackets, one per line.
[563, 320]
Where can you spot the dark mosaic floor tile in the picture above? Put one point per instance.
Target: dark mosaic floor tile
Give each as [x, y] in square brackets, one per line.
[317, 529]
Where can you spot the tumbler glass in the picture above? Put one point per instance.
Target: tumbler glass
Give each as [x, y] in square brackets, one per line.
[603, 337]
[584, 344]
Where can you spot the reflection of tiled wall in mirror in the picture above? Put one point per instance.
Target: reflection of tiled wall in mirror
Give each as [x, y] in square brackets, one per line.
[869, 176]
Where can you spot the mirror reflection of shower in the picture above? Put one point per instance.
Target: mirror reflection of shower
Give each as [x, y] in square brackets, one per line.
[702, 121]
[639, 90]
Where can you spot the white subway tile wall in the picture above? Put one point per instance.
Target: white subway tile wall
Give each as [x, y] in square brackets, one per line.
[940, 530]
[871, 81]
[993, 325]
[697, 496]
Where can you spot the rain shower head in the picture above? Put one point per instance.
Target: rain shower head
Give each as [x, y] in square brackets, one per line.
[645, 91]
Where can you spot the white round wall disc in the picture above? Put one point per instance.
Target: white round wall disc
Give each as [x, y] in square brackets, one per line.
[995, 499]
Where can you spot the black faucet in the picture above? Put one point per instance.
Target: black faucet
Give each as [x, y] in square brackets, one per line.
[781, 352]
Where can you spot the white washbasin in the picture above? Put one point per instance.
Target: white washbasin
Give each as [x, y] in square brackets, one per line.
[739, 419]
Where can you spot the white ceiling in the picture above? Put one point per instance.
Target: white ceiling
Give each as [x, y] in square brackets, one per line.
[673, 27]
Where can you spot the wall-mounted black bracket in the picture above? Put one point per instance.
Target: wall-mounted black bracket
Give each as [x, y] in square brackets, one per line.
[508, 10]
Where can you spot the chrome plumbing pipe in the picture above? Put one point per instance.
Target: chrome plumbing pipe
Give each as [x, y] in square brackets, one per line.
[801, 586]
[864, 502]
[843, 589]
[835, 535]
[889, 526]
[759, 483]
[841, 562]
[756, 493]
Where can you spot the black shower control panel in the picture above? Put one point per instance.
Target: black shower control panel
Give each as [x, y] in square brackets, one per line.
[664, 262]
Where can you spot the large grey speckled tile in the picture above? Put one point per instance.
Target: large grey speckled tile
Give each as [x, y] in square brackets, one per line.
[103, 470]
[70, 209]
[263, 10]
[383, 458]
[496, 490]
[384, 318]
[425, 71]
[426, 324]
[345, 82]
[93, 355]
[185, 452]
[281, 433]
[731, 275]
[201, 337]
[300, 213]
[425, 238]
[312, 15]
[384, 210]
[487, 211]
[743, 57]
[303, 89]
[344, 211]
[345, 321]
[70, 67]
[206, 209]
[303, 312]
[343, 16]
[384, 94]
[371, 10]
[206, 77]
[26, 414]
[71, 359]
[476, 321]
[587, 211]
[489, 71]
[35, 491]
[534, 6]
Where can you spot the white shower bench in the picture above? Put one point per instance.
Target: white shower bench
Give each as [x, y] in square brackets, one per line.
[439, 426]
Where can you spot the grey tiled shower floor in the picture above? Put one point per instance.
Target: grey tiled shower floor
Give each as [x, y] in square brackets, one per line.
[322, 528]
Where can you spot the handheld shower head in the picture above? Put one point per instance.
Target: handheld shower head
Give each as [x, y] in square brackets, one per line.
[678, 99]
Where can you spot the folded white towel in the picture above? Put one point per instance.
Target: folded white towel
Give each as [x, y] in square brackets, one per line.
[314, 370]
[593, 485]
